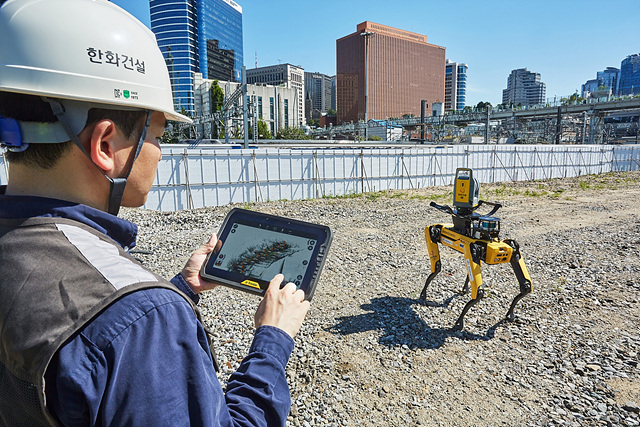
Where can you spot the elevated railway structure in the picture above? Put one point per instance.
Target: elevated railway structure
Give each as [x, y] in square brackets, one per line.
[561, 123]
[593, 122]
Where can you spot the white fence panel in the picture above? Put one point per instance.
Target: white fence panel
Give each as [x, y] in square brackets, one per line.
[214, 175]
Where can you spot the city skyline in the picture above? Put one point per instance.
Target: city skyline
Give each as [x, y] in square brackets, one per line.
[566, 42]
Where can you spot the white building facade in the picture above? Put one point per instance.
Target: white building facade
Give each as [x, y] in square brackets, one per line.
[287, 75]
[268, 103]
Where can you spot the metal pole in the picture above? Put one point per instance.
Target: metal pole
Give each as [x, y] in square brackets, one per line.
[254, 116]
[559, 124]
[486, 128]
[245, 107]
[423, 112]
[226, 113]
[366, 35]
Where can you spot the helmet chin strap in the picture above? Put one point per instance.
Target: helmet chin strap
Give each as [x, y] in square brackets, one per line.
[116, 185]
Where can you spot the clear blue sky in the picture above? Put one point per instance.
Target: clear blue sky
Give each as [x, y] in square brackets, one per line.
[566, 41]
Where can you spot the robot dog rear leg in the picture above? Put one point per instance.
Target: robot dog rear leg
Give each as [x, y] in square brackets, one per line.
[460, 322]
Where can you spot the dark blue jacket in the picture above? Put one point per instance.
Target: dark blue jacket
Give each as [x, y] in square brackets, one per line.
[146, 361]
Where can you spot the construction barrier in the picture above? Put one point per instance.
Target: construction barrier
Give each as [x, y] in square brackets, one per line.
[214, 175]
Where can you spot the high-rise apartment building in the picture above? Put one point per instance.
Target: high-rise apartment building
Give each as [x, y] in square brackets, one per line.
[198, 36]
[629, 83]
[318, 91]
[288, 75]
[395, 69]
[524, 88]
[455, 85]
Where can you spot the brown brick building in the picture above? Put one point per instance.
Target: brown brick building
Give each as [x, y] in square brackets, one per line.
[403, 70]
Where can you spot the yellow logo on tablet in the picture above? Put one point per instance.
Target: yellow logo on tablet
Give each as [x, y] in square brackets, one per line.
[251, 283]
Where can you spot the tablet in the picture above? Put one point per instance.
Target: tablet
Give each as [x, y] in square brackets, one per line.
[253, 247]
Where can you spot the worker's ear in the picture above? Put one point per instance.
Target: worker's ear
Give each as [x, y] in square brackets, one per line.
[103, 145]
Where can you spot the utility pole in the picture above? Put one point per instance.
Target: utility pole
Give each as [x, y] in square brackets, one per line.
[366, 35]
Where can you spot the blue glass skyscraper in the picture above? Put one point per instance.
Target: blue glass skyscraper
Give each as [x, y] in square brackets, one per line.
[629, 83]
[198, 36]
[455, 85]
[220, 36]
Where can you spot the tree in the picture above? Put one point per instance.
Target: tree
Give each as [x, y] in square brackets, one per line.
[217, 102]
[483, 105]
[263, 130]
[217, 97]
[291, 133]
[169, 138]
[331, 112]
[573, 99]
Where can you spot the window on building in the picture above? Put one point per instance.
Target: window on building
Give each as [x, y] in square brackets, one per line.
[271, 109]
[286, 113]
[260, 107]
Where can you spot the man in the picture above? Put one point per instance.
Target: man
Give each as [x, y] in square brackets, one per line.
[87, 335]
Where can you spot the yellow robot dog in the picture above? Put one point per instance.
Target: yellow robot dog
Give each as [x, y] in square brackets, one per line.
[476, 237]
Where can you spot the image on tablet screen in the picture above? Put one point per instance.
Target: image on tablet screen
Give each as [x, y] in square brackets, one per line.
[262, 253]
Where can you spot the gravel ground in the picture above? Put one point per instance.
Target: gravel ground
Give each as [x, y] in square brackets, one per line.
[370, 353]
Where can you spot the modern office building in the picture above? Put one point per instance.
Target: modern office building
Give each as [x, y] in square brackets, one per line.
[394, 69]
[220, 62]
[589, 87]
[608, 79]
[198, 36]
[318, 92]
[271, 103]
[455, 85]
[629, 83]
[524, 88]
[286, 75]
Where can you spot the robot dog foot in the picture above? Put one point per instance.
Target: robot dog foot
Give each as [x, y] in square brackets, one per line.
[459, 325]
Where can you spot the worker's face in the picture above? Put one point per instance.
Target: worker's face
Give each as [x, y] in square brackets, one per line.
[145, 166]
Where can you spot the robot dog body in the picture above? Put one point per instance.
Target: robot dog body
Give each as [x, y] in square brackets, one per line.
[476, 237]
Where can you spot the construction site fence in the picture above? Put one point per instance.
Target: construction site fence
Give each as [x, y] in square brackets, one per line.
[215, 175]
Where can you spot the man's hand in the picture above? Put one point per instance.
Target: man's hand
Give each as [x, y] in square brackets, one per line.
[191, 271]
[283, 308]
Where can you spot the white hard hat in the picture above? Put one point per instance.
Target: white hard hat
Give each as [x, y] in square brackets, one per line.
[90, 51]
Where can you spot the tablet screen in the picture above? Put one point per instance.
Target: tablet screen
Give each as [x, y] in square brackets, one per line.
[254, 247]
[262, 253]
